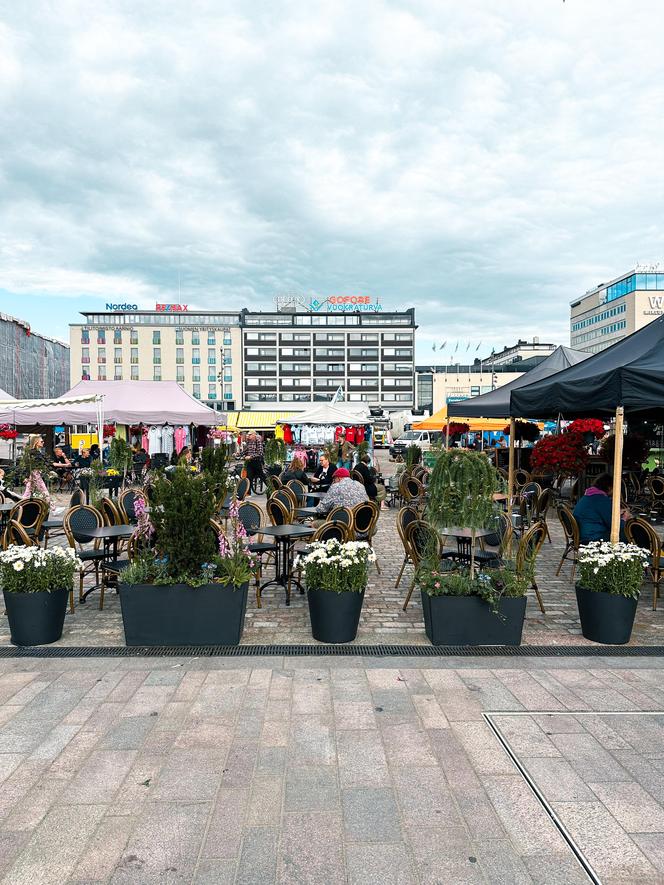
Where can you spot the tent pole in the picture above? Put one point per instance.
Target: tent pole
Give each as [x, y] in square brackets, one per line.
[617, 477]
[510, 473]
[447, 434]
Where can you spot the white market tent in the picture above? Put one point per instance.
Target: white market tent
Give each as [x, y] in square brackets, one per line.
[332, 413]
[124, 402]
[6, 397]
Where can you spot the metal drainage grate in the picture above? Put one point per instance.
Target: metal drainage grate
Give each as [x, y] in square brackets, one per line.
[339, 651]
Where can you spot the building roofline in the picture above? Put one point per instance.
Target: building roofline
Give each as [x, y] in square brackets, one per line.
[596, 289]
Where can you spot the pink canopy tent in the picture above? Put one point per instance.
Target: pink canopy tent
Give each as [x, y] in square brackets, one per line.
[123, 402]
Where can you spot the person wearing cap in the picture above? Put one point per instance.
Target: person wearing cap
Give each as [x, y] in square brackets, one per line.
[344, 492]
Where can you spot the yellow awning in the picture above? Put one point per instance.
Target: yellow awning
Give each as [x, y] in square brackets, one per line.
[439, 420]
[260, 420]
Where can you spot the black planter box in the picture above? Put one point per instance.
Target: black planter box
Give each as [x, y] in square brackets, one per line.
[334, 616]
[36, 618]
[468, 620]
[177, 614]
[605, 617]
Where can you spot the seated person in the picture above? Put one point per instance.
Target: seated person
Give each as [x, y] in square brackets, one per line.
[84, 459]
[593, 512]
[295, 471]
[12, 496]
[62, 465]
[323, 474]
[368, 474]
[344, 492]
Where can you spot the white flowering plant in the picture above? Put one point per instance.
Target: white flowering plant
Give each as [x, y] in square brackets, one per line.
[612, 568]
[35, 570]
[338, 566]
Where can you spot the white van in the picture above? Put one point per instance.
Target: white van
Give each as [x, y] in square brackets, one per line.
[425, 439]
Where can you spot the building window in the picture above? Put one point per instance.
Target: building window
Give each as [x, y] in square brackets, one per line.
[196, 356]
[133, 336]
[101, 355]
[228, 376]
[134, 356]
[117, 336]
[212, 391]
[156, 355]
[228, 391]
[212, 356]
[85, 336]
[156, 337]
[101, 373]
[227, 337]
[117, 374]
[85, 354]
[212, 338]
[179, 336]
[212, 375]
[134, 373]
[197, 391]
[196, 373]
[101, 336]
[85, 373]
[117, 355]
[179, 373]
[195, 338]
[179, 356]
[156, 373]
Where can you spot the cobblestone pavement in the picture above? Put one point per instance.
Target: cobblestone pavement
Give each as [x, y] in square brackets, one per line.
[353, 771]
[383, 619]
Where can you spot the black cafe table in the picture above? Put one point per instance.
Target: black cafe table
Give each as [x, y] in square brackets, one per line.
[285, 537]
[308, 511]
[5, 510]
[110, 535]
[465, 537]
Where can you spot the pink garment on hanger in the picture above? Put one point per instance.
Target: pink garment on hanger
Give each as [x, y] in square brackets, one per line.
[180, 437]
[145, 440]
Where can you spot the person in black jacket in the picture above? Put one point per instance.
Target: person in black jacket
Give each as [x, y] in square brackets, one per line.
[295, 471]
[368, 474]
[323, 474]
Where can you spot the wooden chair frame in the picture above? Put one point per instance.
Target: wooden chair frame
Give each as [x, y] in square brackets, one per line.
[654, 548]
[572, 538]
[529, 547]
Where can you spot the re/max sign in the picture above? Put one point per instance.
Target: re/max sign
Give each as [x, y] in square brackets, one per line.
[176, 308]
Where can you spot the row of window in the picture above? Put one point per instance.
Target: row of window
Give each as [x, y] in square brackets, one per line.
[328, 319]
[359, 337]
[598, 318]
[635, 282]
[156, 355]
[272, 397]
[160, 319]
[100, 335]
[598, 333]
[352, 352]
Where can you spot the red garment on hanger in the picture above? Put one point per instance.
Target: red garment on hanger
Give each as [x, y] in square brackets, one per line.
[359, 435]
[350, 435]
[339, 435]
[288, 434]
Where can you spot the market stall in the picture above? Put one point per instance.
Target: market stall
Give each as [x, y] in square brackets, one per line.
[309, 433]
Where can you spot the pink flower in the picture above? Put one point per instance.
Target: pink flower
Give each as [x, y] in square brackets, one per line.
[224, 547]
[437, 585]
[234, 509]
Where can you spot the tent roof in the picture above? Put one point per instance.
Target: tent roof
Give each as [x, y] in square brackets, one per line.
[331, 413]
[630, 373]
[496, 403]
[6, 397]
[126, 402]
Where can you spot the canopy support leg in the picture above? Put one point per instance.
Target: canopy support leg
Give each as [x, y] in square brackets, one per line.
[510, 475]
[617, 477]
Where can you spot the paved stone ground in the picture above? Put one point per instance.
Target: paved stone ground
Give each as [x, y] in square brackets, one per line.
[383, 619]
[353, 771]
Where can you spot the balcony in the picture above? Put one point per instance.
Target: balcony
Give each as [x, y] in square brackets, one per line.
[212, 361]
[179, 361]
[255, 341]
[262, 385]
[296, 373]
[195, 360]
[117, 360]
[368, 384]
[212, 396]
[85, 359]
[101, 360]
[101, 341]
[134, 361]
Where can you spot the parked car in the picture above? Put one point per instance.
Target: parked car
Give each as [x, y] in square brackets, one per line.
[425, 439]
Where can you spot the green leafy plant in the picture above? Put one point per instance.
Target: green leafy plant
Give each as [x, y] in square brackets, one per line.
[214, 470]
[340, 567]
[274, 452]
[413, 455]
[35, 570]
[636, 449]
[612, 568]
[120, 455]
[491, 585]
[461, 490]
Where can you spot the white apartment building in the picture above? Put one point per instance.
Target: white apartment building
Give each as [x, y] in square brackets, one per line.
[611, 311]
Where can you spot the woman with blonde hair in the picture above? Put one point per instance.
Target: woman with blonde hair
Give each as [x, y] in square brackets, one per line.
[34, 461]
[295, 471]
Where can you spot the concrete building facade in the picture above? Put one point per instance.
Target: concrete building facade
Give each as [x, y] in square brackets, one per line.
[613, 310]
[32, 366]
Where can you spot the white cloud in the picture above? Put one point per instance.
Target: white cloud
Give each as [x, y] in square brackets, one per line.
[482, 163]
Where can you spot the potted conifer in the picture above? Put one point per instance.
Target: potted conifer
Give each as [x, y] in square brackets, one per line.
[608, 589]
[186, 586]
[35, 584]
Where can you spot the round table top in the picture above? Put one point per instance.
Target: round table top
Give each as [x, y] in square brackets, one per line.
[459, 532]
[7, 506]
[110, 531]
[287, 531]
[307, 511]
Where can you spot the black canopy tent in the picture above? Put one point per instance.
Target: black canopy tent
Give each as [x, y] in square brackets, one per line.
[630, 374]
[625, 379]
[496, 403]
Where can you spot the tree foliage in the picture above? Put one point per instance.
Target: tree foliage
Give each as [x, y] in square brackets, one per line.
[461, 488]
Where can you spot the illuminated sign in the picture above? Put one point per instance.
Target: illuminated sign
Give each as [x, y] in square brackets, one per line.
[334, 303]
[174, 308]
[122, 307]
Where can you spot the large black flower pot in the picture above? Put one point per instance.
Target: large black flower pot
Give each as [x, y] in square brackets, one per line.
[605, 617]
[468, 620]
[36, 618]
[177, 614]
[334, 616]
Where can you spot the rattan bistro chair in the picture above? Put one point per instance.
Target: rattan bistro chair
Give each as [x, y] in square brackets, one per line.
[572, 538]
[641, 533]
[126, 501]
[343, 515]
[75, 522]
[331, 531]
[278, 512]
[423, 541]
[405, 516]
[526, 555]
[251, 517]
[15, 534]
[299, 489]
[365, 521]
[31, 514]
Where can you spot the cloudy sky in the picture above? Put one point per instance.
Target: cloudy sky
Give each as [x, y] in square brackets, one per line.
[483, 162]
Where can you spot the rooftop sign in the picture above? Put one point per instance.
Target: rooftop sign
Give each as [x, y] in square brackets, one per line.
[121, 306]
[174, 308]
[333, 303]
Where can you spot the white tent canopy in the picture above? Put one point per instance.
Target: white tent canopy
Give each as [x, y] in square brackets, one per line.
[6, 397]
[332, 413]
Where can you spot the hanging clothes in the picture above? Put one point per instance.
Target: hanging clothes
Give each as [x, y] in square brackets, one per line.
[154, 435]
[288, 434]
[279, 431]
[145, 439]
[167, 439]
[179, 438]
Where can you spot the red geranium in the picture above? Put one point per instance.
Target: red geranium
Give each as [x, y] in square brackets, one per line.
[457, 428]
[587, 425]
[563, 453]
[110, 429]
[7, 432]
[523, 430]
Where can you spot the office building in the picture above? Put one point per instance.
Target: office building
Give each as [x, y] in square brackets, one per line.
[32, 366]
[282, 359]
[444, 385]
[613, 310]
[198, 349]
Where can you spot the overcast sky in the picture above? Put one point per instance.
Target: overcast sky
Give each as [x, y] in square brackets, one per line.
[482, 162]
